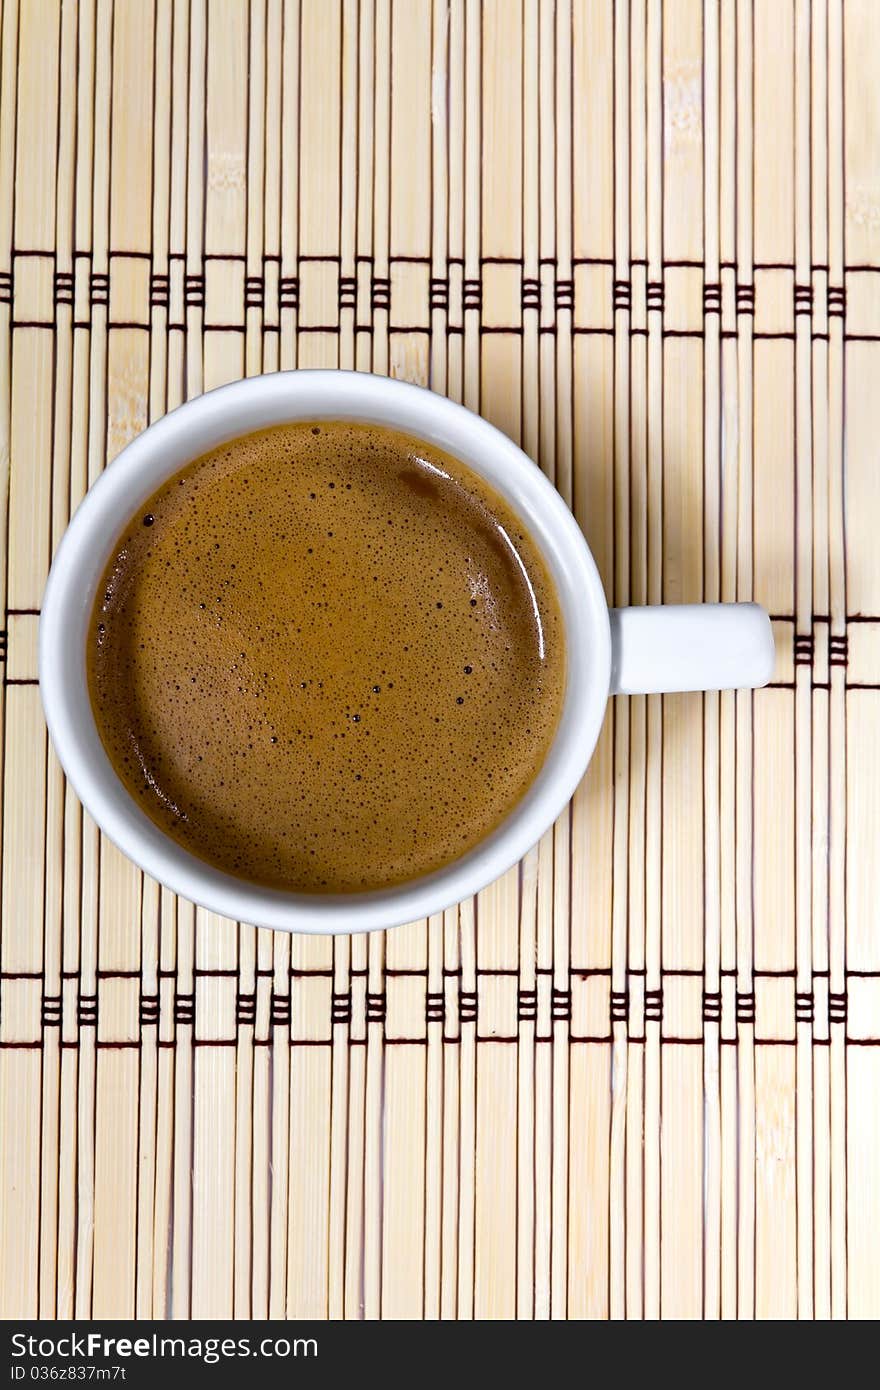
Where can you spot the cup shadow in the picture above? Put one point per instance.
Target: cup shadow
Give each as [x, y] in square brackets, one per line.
[611, 499]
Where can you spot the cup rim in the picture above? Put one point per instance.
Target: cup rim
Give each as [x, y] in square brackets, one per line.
[229, 412]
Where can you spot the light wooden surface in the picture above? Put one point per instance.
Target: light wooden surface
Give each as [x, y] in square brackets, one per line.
[640, 1076]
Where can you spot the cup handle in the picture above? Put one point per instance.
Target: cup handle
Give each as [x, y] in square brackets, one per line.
[690, 646]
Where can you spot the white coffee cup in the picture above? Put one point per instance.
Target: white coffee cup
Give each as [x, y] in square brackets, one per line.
[629, 650]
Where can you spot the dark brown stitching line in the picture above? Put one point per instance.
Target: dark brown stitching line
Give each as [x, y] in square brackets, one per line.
[667, 972]
[134, 1044]
[858, 267]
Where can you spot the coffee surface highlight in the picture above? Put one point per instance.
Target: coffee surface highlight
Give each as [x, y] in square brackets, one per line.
[326, 657]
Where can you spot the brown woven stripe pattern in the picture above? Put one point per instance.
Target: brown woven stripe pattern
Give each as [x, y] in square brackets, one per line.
[640, 1075]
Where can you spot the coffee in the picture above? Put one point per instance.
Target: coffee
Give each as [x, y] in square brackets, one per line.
[326, 657]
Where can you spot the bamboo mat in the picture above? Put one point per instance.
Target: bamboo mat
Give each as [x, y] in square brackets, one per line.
[639, 1076]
